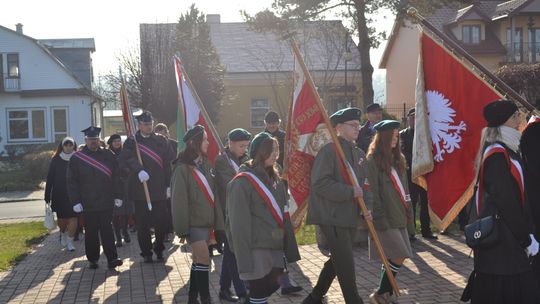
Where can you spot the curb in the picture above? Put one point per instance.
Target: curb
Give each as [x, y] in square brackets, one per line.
[15, 200]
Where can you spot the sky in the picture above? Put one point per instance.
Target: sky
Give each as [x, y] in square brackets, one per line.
[114, 24]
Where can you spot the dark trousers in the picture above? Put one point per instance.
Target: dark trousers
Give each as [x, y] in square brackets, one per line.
[120, 224]
[340, 264]
[419, 195]
[169, 217]
[146, 219]
[98, 225]
[229, 272]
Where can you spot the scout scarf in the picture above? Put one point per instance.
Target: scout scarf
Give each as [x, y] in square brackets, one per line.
[267, 196]
[153, 155]
[515, 170]
[404, 196]
[92, 162]
[204, 185]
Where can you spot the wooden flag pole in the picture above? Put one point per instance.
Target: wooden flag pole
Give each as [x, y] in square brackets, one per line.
[352, 177]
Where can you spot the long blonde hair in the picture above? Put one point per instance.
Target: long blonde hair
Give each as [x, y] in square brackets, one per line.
[489, 135]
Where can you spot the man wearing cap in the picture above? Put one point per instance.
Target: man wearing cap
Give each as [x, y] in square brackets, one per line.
[333, 207]
[94, 187]
[272, 121]
[155, 170]
[227, 166]
[418, 194]
[374, 115]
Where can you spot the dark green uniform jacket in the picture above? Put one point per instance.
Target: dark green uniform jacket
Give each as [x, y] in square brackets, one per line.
[331, 200]
[250, 224]
[225, 173]
[388, 209]
[190, 207]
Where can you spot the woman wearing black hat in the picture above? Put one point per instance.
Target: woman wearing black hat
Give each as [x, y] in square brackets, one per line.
[502, 272]
[259, 229]
[392, 208]
[56, 192]
[196, 209]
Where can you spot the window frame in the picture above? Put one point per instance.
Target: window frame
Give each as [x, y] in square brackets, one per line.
[470, 35]
[251, 108]
[53, 121]
[8, 74]
[29, 117]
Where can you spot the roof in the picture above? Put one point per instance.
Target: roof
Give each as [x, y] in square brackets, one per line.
[75, 43]
[509, 8]
[243, 51]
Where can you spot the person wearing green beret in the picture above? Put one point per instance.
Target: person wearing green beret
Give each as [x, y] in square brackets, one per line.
[259, 230]
[196, 208]
[227, 165]
[391, 203]
[333, 208]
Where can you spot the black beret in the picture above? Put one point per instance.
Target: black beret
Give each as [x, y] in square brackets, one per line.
[146, 116]
[256, 143]
[344, 115]
[498, 112]
[271, 117]
[239, 134]
[112, 138]
[91, 132]
[411, 112]
[373, 107]
[196, 130]
[386, 125]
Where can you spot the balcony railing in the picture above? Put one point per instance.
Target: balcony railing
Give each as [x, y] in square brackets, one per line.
[526, 52]
[12, 84]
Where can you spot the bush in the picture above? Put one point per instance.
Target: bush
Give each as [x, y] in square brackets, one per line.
[26, 172]
[37, 165]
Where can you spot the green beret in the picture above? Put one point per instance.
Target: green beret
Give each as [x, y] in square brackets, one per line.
[196, 130]
[387, 125]
[146, 116]
[344, 115]
[239, 134]
[256, 143]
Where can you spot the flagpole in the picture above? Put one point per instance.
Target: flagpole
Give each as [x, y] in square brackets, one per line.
[500, 85]
[288, 128]
[352, 177]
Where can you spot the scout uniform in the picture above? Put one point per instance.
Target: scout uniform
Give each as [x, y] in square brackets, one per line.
[273, 117]
[333, 208]
[196, 211]
[156, 159]
[367, 132]
[227, 166]
[94, 187]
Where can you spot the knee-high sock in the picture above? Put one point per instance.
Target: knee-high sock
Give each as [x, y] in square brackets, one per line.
[384, 285]
[193, 290]
[201, 272]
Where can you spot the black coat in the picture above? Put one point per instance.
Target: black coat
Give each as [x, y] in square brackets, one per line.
[502, 196]
[127, 205]
[530, 149]
[91, 187]
[364, 137]
[56, 188]
[160, 174]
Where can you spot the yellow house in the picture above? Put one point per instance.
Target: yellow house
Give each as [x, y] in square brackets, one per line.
[495, 33]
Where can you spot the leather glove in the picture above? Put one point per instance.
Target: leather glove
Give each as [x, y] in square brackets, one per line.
[118, 202]
[143, 176]
[78, 208]
[168, 192]
[532, 250]
[220, 236]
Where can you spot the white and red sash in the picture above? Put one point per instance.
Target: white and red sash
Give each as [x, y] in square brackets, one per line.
[404, 196]
[233, 164]
[533, 119]
[267, 196]
[150, 153]
[204, 185]
[92, 162]
[515, 170]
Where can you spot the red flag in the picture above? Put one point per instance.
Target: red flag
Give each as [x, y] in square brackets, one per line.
[449, 121]
[127, 113]
[306, 135]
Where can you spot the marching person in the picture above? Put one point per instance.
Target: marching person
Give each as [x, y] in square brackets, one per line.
[120, 214]
[258, 226]
[155, 170]
[227, 166]
[272, 123]
[502, 272]
[94, 187]
[392, 209]
[196, 209]
[56, 193]
[418, 194]
[374, 115]
[332, 206]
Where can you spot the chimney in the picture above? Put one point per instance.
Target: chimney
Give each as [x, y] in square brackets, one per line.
[18, 28]
[213, 18]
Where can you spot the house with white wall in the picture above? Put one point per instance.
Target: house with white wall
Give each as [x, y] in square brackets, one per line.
[45, 90]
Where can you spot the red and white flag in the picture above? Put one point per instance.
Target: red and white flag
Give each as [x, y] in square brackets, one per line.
[127, 113]
[449, 104]
[190, 113]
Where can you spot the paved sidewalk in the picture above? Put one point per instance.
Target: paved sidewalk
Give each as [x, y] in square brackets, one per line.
[437, 274]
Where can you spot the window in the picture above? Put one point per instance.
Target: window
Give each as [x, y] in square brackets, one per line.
[471, 34]
[26, 124]
[60, 123]
[259, 107]
[534, 45]
[13, 65]
[516, 44]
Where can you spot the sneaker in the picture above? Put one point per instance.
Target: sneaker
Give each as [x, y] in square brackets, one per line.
[69, 244]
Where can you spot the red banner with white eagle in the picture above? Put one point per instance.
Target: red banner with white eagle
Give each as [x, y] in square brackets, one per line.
[450, 99]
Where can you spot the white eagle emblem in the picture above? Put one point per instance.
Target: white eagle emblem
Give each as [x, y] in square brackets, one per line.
[445, 135]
